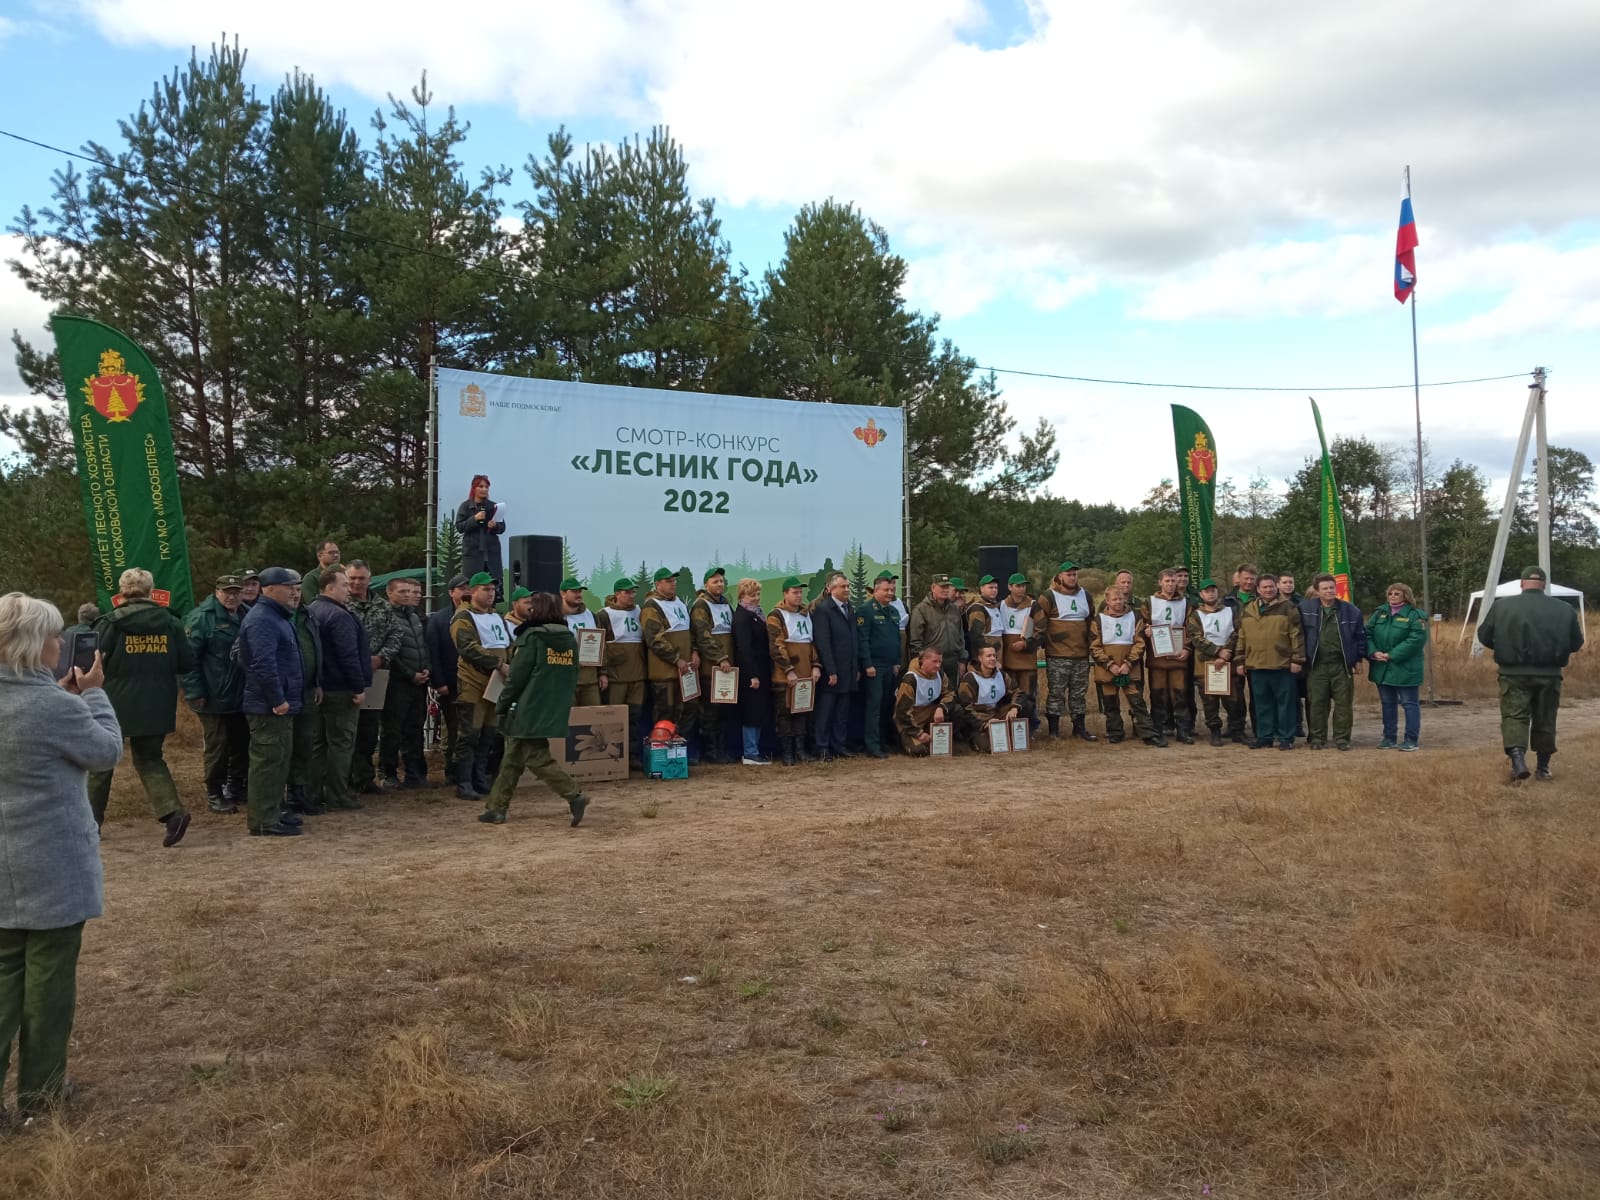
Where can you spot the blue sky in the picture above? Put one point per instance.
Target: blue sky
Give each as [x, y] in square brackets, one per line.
[1151, 191]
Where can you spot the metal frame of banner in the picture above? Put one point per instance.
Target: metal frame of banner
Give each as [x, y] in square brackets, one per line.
[433, 481]
[905, 496]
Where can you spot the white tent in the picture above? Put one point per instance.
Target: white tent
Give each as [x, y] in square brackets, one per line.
[1510, 588]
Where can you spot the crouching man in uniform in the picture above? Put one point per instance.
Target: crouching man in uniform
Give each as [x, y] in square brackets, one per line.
[924, 698]
[986, 695]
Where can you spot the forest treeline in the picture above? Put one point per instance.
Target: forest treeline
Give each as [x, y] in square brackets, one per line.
[293, 279]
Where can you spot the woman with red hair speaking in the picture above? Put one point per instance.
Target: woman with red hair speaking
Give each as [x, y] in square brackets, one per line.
[480, 533]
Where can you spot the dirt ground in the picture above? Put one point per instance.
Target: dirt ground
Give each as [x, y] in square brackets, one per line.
[1082, 971]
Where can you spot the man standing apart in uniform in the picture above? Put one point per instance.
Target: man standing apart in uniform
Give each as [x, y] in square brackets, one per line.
[1271, 651]
[591, 680]
[1336, 645]
[625, 661]
[1117, 640]
[669, 652]
[711, 621]
[311, 584]
[1061, 619]
[878, 656]
[145, 651]
[834, 626]
[936, 623]
[481, 640]
[442, 669]
[790, 639]
[274, 692]
[1213, 630]
[1532, 636]
[346, 676]
[214, 689]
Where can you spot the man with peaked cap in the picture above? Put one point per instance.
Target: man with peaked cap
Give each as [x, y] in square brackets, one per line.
[669, 654]
[1019, 644]
[792, 644]
[1061, 619]
[591, 680]
[442, 672]
[936, 622]
[711, 622]
[1213, 634]
[625, 667]
[214, 689]
[984, 621]
[482, 641]
[1117, 639]
[1532, 636]
[250, 588]
[986, 695]
[878, 650]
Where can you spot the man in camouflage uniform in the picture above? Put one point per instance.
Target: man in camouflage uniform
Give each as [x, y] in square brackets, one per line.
[1212, 636]
[669, 653]
[368, 609]
[711, 621]
[793, 648]
[1019, 646]
[592, 681]
[482, 642]
[1169, 675]
[984, 620]
[215, 690]
[1061, 619]
[405, 705]
[923, 698]
[986, 695]
[625, 666]
[1117, 642]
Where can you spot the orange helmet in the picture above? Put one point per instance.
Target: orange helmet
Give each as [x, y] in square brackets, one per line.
[663, 731]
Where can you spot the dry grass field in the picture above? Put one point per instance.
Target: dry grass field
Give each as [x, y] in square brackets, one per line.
[1085, 972]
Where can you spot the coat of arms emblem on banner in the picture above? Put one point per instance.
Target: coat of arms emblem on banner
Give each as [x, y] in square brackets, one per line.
[472, 401]
[1202, 460]
[114, 393]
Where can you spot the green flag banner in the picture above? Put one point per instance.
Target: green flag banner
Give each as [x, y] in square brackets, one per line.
[1335, 549]
[1197, 488]
[120, 427]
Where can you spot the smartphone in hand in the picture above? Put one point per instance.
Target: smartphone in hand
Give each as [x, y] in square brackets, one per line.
[78, 651]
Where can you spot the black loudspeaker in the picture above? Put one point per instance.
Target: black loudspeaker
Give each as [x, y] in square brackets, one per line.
[999, 561]
[536, 562]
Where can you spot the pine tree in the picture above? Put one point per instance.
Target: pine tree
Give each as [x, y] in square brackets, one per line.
[642, 579]
[860, 588]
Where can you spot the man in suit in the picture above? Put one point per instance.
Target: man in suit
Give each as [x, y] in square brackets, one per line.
[835, 626]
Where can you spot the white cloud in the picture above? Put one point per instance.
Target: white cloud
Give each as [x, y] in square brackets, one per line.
[20, 310]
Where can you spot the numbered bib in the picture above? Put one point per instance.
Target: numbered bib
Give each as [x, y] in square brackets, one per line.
[997, 621]
[624, 624]
[1015, 619]
[581, 620]
[928, 690]
[797, 625]
[1116, 631]
[721, 617]
[905, 613]
[492, 631]
[991, 690]
[1168, 612]
[676, 613]
[1217, 626]
[1071, 608]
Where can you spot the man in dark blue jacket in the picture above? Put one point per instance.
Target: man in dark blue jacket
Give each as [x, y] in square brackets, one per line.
[442, 668]
[274, 691]
[346, 675]
[834, 628]
[1336, 646]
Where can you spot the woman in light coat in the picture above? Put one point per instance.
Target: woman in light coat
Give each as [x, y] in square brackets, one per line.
[52, 734]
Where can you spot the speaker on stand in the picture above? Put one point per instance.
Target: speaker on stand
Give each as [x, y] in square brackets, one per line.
[999, 561]
[536, 562]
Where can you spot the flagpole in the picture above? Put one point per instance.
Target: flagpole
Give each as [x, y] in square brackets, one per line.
[1422, 481]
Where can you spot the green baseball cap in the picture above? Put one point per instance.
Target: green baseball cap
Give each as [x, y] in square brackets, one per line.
[713, 573]
[663, 573]
[1535, 573]
[882, 575]
[481, 579]
[624, 585]
[572, 585]
[958, 583]
[1018, 577]
[1068, 565]
[791, 582]
[520, 594]
[987, 579]
[1207, 583]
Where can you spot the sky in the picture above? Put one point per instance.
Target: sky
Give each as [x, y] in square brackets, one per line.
[1151, 190]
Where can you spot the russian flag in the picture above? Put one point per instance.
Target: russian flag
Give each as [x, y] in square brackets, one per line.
[1405, 252]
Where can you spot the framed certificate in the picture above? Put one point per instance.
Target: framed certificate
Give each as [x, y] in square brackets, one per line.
[1218, 680]
[999, 737]
[942, 742]
[377, 690]
[689, 682]
[492, 689]
[802, 696]
[1165, 641]
[591, 648]
[725, 685]
[1019, 734]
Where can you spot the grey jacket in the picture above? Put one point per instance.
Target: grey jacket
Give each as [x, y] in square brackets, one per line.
[49, 847]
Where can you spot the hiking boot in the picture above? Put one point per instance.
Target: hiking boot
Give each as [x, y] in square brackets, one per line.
[218, 803]
[1185, 736]
[177, 823]
[1081, 731]
[1542, 771]
[277, 830]
[1216, 738]
[1054, 724]
[1159, 742]
[492, 816]
[1519, 764]
[786, 752]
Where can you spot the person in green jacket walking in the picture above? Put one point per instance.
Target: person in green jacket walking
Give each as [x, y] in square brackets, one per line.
[215, 691]
[535, 706]
[1532, 636]
[145, 650]
[1397, 639]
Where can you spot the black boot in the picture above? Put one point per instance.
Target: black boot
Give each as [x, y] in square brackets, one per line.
[1519, 764]
[786, 750]
[1542, 771]
[1216, 737]
[1185, 733]
[802, 749]
[480, 767]
[218, 803]
[1080, 731]
[1054, 723]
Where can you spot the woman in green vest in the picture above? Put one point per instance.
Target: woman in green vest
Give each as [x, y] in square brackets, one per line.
[535, 707]
[1397, 636]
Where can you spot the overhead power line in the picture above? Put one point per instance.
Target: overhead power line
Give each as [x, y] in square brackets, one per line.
[333, 231]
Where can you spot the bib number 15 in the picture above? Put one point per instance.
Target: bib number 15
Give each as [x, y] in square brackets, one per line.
[688, 500]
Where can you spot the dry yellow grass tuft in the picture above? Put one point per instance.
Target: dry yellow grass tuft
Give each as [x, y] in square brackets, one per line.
[1085, 972]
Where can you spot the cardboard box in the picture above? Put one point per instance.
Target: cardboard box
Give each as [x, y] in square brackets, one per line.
[596, 747]
[667, 761]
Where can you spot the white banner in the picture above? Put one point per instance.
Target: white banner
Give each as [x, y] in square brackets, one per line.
[639, 478]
